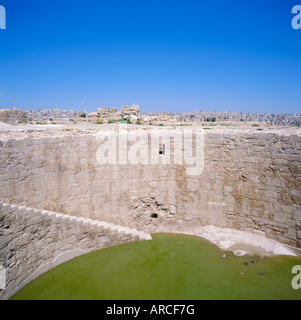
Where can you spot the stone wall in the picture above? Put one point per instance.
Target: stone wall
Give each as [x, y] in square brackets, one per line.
[251, 181]
[34, 241]
[13, 116]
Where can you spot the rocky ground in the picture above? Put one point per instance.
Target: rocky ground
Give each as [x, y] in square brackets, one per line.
[239, 242]
[25, 129]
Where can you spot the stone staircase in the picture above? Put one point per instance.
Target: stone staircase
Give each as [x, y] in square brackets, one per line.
[93, 224]
[33, 241]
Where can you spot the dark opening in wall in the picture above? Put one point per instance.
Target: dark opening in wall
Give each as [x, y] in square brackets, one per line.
[162, 149]
[243, 178]
[154, 215]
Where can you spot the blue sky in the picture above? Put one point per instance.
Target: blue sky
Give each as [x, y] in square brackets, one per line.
[175, 56]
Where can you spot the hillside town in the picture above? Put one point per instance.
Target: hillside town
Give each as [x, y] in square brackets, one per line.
[132, 115]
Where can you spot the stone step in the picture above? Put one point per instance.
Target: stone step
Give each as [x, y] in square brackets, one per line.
[22, 209]
[71, 218]
[93, 224]
[29, 211]
[7, 208]
[13, 207]
[36, 212]
[114, 228]
[107, 226]
[148, 236]
[4, 206]
[134, 232]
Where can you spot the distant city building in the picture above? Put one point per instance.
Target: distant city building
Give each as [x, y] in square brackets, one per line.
[50, 116]
[213, 116]
[132, 114]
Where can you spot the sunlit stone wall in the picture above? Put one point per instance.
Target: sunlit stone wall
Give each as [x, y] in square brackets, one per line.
[250, 181]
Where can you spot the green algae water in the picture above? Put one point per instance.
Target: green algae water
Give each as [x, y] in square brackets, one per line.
[171, 266]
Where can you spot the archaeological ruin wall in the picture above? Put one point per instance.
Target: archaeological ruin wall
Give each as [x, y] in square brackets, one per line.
[250, 181]
[13, 116]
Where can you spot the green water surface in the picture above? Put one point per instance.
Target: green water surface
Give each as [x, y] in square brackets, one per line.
[171, 266]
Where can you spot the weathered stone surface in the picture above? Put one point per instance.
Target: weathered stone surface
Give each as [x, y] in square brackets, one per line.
[251, 181]
[128, 111]
[61, 173]
[13, 116]
[26, 251]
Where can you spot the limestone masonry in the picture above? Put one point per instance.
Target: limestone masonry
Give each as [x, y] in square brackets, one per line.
[34, 241]
[251, 182]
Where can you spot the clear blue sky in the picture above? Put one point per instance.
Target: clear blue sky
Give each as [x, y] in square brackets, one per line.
[175, 56]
